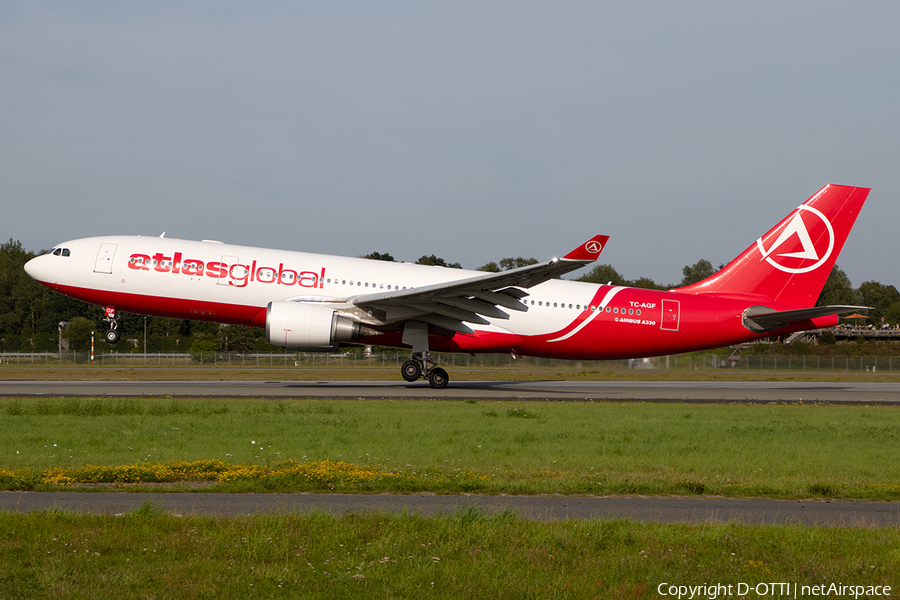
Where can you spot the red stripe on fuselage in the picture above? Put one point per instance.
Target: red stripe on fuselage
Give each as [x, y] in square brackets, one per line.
[174, 308]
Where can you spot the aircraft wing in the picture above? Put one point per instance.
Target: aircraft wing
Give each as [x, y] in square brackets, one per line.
[471, 299]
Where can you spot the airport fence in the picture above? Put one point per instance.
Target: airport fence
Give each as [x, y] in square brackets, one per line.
[696, 361]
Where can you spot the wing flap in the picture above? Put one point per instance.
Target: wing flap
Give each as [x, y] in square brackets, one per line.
[449, 311]
[476, 306]
[447, 323]
[502, 299]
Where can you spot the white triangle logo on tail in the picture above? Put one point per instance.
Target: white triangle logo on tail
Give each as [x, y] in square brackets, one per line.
[797, 226]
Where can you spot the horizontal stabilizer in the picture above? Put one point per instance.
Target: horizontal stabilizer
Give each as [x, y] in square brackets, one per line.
[761, 319]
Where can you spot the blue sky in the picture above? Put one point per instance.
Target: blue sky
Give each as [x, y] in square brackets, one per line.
[470, 130]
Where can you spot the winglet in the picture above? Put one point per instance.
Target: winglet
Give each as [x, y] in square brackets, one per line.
[588, 251]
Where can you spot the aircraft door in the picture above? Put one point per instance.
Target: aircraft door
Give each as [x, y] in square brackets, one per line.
[671, 315]
[228, 270]
[105, 258]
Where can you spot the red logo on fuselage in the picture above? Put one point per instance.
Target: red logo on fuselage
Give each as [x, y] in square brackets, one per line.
[236, 274]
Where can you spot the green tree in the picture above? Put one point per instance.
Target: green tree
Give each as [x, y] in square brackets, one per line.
[892, 314]
[201, 348]
[838, 290]
[603, 274]
[380, 256]
[437, 262]
[648, 284]
[508, 264]
[171, 335]
[880, 297]
[22, 300]
[79, 333]
[236, 338]
[699, 271]
[491, 267]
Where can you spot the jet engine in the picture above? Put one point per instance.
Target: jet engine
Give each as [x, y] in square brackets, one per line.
[302, 326]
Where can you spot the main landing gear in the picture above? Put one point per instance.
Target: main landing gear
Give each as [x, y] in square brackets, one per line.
[422, 367]
[415, 334]
[112, 334]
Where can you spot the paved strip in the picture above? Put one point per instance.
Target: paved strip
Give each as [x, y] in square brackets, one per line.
[684, 391]
[540, 508]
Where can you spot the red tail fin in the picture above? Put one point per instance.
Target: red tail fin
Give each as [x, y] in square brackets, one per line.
[791, 262]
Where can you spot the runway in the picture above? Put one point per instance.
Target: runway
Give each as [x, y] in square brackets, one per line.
[648, 391]
[540, 508]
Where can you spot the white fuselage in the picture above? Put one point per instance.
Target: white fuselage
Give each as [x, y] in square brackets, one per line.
[234, 284]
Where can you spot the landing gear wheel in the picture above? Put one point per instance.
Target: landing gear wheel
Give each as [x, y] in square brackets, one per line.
[438, 378]
[411, 370]
[112, 336]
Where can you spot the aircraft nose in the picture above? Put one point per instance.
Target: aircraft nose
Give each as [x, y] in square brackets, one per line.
[37, 268]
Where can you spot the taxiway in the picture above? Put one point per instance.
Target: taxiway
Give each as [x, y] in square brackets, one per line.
[649, 391]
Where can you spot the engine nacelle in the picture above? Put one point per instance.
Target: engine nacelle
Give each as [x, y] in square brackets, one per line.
[302, 326]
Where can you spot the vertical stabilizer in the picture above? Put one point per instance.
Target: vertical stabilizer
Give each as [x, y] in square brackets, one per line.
[791, 262]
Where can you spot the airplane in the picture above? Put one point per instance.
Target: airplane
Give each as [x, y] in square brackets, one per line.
[316, 302]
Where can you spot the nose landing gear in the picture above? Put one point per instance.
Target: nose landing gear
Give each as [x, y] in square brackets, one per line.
[112, 335]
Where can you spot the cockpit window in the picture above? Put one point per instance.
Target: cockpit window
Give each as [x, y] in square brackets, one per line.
[60, 252]
[65, 252]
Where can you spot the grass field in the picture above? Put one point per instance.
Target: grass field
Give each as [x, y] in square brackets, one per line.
[777, 451]
[146, 554]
